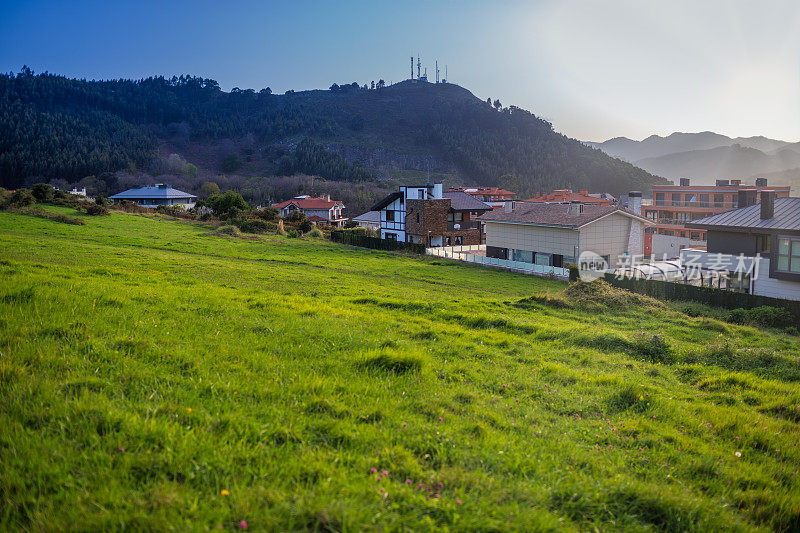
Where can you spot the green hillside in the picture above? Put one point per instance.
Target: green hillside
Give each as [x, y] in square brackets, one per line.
[66, 129]
[155, 375]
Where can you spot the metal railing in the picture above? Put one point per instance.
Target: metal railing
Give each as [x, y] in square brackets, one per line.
[505, 264]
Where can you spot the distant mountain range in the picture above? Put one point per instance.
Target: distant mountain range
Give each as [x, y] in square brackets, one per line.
[707, 156]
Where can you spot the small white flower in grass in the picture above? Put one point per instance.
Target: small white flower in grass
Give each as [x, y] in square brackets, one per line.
[738, 454]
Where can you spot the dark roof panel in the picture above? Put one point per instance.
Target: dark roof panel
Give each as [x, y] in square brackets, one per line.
[461, 201]
[786, 217]
[386, 201]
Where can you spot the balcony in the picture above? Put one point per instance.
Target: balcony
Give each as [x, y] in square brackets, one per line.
[470, 224]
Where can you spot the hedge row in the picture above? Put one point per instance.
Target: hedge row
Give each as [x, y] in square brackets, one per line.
[354, 238]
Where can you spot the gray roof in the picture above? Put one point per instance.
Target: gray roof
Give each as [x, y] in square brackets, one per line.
[386, 201]
[538, 214]
[147, 192]
[369, 216]
[461, 201]
[786, 217]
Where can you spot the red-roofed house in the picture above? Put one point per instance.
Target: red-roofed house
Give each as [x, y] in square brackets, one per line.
[320, 210]
[566, 196]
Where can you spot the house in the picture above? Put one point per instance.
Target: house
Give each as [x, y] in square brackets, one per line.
[320, 210]
[554, 234]
[756, 246]
[674, 207]
[493, 196]
[426, 215]
[566, 196]
[77, 192]
[370, 220]
[156, 195]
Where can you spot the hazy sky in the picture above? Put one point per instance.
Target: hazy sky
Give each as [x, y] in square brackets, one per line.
[596, 69]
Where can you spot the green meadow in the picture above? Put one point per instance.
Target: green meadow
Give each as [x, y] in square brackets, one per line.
[155, 375]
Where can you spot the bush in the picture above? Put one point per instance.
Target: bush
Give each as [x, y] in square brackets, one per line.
[293, 234]
[228, 205]
[654, 348]
[228, 229]
[43, 192]
[38, 211]
[771, 317]
[96, 210]
[252, 225]
[295, 216]
[305, 226]
[315, 233]
[267, 213]
[19, 198]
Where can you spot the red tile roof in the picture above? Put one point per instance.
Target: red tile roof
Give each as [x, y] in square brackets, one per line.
[566, 195]
[309, 203]
[317, 218]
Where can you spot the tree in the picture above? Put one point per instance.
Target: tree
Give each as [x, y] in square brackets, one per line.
[381, 84]
[209, 189]
[497, 104]
[373, 85]
[228, 205]
[266, 91]
[43, 192]
[489, 101]
[335, 88]
[305, 226]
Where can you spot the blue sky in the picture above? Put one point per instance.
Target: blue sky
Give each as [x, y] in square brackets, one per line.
[596, 69]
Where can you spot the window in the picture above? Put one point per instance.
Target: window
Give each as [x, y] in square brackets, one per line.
[458, 240]
[789, 255]
[676, 199]
[695, 236]
[659, 198]
[417, 218]
[704, 200]
[420, 194]
[391, 237]
[763, 244]
[650, 214]
[719, 200]
[390, 217]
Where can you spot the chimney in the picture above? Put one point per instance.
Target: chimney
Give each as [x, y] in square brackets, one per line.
[635, 201]
[722, 183]
[509, 206]
[585, 193]
[747, 197]
[761, 182]
[684, 182]
[575, 208]
[327, 197]
[767, 204]
[736, 182]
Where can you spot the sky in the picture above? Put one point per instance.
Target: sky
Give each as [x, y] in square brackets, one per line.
[595, 69]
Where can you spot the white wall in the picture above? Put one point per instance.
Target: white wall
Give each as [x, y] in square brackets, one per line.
[775, 288]
[668, 245]
[562, 241]
[613, 236]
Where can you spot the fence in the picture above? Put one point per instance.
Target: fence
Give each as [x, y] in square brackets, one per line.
[455, 252]
[706, 295]
[355, 239]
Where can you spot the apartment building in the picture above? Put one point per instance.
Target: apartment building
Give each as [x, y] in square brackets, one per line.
[674, 206]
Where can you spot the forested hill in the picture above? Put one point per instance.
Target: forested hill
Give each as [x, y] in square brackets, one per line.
[58, 128]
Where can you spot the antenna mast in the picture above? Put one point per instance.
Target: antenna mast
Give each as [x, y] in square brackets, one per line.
[412, 67]
[419, 66]
[437, 71]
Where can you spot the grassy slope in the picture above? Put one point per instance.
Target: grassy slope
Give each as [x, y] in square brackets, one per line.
[147, 366]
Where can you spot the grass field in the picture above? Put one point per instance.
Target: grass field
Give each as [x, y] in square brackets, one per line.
[156, 376]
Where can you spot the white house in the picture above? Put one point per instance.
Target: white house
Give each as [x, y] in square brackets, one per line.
[321, 210]
[393, 208]
[557, 234]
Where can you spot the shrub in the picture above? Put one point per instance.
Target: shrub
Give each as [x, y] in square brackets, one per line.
[228, 229]
[37, 211]
[228, 205]
[252, 225]
[293, 234]
[315, 233]
[574, 272]
[42, 192]
[96, 210]
[267, 213]
[654, 348]
[295, 216]
[19, 198]
[305, 226]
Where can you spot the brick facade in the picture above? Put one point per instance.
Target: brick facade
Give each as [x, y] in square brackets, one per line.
[428, 218]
